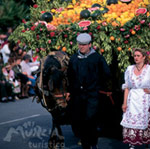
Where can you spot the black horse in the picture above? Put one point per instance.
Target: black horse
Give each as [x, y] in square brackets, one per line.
[51, 92]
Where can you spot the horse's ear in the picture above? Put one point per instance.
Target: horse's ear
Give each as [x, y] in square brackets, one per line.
[51, 85]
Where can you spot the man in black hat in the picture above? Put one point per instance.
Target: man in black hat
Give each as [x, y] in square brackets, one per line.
[86, 72]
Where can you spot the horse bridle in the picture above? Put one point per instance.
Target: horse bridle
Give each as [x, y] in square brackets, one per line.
[64, 96]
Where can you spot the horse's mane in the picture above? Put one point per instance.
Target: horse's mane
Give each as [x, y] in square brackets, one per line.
[52, 71]
[53, 68]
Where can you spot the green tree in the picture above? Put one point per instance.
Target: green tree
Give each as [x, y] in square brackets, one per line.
[11, 13]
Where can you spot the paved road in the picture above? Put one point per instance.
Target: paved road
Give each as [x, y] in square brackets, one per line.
[26, 125]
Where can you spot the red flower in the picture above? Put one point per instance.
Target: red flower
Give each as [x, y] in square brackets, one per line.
[37, 37]
[148, 52]
[35, 5]
[104, 23]
[23, 31]
[65, 35]
[137, 27]
[49, 41]
[142, 21]
[52, 34]
[59, 9]
[131, 30]
[37, 50]
[90, 33]
[127, 36]
[122, 29]
[33, 28]
[43, 11]
[98, 27]
[126, 41]
[23, 21]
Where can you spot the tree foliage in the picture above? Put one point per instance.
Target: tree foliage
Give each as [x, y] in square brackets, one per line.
[12, 12]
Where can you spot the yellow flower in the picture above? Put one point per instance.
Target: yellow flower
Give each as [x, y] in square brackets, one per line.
[74, 1]
[53, 10]
[98, 21]
[101, 8]
[146, 2]
[70, 6]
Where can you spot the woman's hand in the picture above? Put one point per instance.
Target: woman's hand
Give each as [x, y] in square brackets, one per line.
[124, 107]
[146, 90]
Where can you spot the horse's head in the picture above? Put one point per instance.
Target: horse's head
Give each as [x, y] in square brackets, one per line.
[54, 82]
[57, 82]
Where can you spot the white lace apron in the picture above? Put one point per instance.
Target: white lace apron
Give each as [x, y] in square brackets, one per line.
[138, 102]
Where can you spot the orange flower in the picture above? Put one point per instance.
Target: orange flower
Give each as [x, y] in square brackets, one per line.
[64, 49]
[112, 38]
[101, 50]
[129, 49]
[119, 48]
[133, 32]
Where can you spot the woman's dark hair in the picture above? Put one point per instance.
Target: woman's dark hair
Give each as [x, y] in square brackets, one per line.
[143, 52]
[12, 44]
[27, 56]
[18, 57]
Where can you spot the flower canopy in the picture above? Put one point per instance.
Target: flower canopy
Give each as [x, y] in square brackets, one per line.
[116, 27]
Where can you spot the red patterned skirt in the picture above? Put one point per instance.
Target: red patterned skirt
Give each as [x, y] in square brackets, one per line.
[137, 136]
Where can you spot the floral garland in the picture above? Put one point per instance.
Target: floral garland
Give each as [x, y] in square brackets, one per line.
[116, 31]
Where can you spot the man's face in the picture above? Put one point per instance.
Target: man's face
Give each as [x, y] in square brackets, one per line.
[84, 48]
[18, 61]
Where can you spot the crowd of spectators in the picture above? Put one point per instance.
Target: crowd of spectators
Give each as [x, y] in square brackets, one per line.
[16, 70]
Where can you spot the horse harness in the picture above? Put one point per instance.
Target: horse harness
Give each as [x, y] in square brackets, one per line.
[59, 98]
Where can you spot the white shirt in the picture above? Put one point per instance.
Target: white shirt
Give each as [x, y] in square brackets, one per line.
[5, 52]
[29, 67]
[25, 67]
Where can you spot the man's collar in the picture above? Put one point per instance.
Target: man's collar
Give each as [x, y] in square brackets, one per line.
[81, 56]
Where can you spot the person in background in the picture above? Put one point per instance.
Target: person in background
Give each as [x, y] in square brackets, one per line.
[22, 78]
[2, 37]
[136, 105]
[86, 72]
[26, 67]
[10, 77]
[6, 90]
[5, 50]
[1, 57]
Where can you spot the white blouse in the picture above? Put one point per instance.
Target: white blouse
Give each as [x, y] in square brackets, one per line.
[138, 102]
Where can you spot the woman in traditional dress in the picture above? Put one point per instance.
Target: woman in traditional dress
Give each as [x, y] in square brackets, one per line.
[136, 105]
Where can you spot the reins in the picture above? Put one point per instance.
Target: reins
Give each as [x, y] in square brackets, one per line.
[108, 94]
[40, 85]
